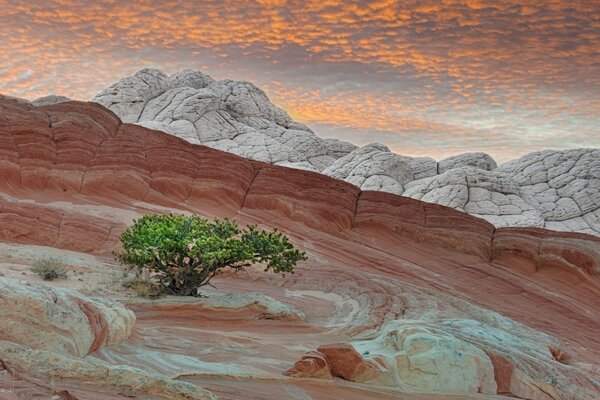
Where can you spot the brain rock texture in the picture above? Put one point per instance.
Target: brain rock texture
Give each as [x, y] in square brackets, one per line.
[558, 190]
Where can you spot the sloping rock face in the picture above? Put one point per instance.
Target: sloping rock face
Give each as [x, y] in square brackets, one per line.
[117, 380]
[558, 190]
[399, 298]
[60, 320]
[46, 332]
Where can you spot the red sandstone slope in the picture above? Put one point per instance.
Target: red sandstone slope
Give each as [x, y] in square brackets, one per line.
[81, 153]
[81, 149]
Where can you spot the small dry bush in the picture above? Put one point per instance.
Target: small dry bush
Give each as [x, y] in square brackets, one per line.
[50, 268]
[143, 286]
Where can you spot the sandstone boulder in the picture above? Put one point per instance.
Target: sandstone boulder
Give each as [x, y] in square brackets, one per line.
[346, 363]
[313, 364]
[449, 356]
[60, 320]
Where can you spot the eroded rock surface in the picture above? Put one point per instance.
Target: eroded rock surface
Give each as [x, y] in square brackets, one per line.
[564, 186]
[60, 320]
[452, 356]
[227, 115]
[46, 332]
[120, 380]
[478, 160]
[397, 297]
[553, 189]
[50, 99]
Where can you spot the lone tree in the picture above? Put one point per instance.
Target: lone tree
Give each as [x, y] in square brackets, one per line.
[186, 252]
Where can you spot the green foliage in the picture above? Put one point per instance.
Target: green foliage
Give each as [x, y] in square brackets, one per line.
[50, 268]
[185, 252]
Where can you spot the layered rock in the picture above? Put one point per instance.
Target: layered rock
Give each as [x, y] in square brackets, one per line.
[88, 152]
[25, 222]
[412, 358]
[118, 380]
[451, 356]
[573, 256]
[60, 320]
[415, 220]
[390, 280]
[45, 332]
[553, 189]
[473, 351]
[257, 304]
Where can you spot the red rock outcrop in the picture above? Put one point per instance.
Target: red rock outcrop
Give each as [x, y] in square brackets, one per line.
[340, 360]
[73, 176]
[503, 372]
[408, 219]
[346, 363]
[313, 365]
[23, 222]
[76, 148]
[323, 204]
[572, 255]
[84, 149]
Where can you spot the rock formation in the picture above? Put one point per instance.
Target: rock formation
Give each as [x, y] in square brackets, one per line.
[399, 297]
[60, 320]
[37, 366]
[448, 356]
[558, 190]
[45, 332]
[51, 99]
[227, 115]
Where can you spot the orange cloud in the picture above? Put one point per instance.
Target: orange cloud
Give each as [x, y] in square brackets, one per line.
[462, 66]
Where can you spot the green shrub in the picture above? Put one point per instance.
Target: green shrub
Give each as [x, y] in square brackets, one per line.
[50, 268]
[185, 252]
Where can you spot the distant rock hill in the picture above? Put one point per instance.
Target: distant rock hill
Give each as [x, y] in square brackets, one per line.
[558, 190]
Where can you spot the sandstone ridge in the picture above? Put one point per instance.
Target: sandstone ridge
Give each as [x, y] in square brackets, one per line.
[558, 190]
[84, 149]
[399, 297]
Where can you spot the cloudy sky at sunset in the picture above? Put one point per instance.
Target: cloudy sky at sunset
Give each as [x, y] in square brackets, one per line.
[424, 77]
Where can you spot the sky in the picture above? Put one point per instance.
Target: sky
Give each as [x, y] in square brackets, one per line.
[431, 78]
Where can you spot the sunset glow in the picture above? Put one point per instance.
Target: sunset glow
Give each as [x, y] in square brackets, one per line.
[424, 77]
